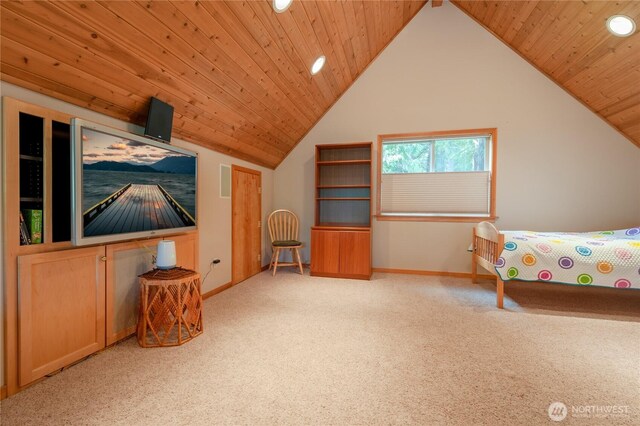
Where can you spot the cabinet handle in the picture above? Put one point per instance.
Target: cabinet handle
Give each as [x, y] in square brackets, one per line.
[103, 258]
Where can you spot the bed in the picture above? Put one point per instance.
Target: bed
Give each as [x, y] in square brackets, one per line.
[604, 258]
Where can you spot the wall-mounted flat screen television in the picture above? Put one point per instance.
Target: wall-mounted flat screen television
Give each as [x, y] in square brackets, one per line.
[127, 186]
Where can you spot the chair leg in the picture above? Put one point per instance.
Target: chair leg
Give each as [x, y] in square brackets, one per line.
[299, 261]
[273, 251]
[275, 265]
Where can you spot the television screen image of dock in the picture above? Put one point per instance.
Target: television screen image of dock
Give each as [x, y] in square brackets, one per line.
[129, 186]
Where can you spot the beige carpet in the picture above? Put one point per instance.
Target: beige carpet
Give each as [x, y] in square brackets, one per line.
[399, 349]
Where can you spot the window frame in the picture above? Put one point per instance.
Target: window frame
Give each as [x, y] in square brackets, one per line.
[493, 157]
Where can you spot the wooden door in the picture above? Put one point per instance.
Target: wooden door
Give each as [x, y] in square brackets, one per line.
[355, 253]
[246, 219]
[62, 309]
[325, 252]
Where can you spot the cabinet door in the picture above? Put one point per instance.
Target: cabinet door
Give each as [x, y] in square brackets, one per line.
[186, 250]
[325, 252]
[61, 305]
[355, 253]
[125, 261]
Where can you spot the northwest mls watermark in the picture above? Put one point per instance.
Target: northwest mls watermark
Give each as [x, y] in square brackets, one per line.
[558, 411]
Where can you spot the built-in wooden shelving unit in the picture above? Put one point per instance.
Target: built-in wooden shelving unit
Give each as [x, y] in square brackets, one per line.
[341, 237]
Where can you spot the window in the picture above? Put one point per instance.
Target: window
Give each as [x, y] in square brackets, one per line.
[445, 176]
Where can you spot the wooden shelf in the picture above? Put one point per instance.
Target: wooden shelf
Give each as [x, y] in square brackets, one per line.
[31, 182]
[343, 198]
[42, 248]
[342, 226]
[342, 186]
[341, 237]
[30, 157]
[342, 162]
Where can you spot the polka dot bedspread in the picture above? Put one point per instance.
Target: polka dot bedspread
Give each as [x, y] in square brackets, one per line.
[607, 258]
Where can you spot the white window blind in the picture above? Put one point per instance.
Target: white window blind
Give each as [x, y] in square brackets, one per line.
[450, 193]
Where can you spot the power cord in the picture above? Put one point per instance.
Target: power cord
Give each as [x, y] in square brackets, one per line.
[211, 266]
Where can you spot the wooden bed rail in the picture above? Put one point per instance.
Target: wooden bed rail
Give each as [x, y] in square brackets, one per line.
[487, 245]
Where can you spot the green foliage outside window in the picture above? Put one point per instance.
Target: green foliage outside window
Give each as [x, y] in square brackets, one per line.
[406, 157]
[441, 155]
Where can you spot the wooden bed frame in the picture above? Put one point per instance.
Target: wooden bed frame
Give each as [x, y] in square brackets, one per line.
[487, 245]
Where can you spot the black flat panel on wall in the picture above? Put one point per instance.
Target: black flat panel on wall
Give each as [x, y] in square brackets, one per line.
[31, 161]
[61, 185]
[159, 120]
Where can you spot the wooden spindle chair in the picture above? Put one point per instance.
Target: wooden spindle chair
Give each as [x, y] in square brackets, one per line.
[283, 230]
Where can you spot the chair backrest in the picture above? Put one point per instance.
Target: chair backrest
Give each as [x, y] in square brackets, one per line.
[283, 225]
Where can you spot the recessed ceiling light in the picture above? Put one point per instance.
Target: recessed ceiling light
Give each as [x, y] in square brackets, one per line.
[281, 5]
[621, 25]
[317, 65]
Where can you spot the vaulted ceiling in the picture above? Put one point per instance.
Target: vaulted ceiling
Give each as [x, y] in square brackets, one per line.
[568, 41]
[237, 73]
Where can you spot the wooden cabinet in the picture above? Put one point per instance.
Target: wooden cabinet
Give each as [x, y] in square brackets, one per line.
[341, 237]
[38, 170]
[355, 254]
[325, 252]
[75, 302]
[60, 303]
[125, 262]
[62, 309]
[36, 148]
[341, 253]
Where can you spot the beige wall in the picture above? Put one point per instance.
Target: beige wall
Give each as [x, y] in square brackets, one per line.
[214, 213]
[560, 167]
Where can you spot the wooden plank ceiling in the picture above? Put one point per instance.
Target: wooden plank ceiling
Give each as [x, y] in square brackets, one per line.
[236, 72]
[568, 41]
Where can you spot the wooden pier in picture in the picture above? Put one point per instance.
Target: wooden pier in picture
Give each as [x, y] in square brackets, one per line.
[135, 208]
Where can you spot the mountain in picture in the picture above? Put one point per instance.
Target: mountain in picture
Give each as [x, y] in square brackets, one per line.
[115, 166]
[178, 165]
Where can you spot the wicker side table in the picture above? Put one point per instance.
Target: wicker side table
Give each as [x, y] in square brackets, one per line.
[170, 307]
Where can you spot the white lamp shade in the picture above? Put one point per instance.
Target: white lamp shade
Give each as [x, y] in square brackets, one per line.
[166, 258]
